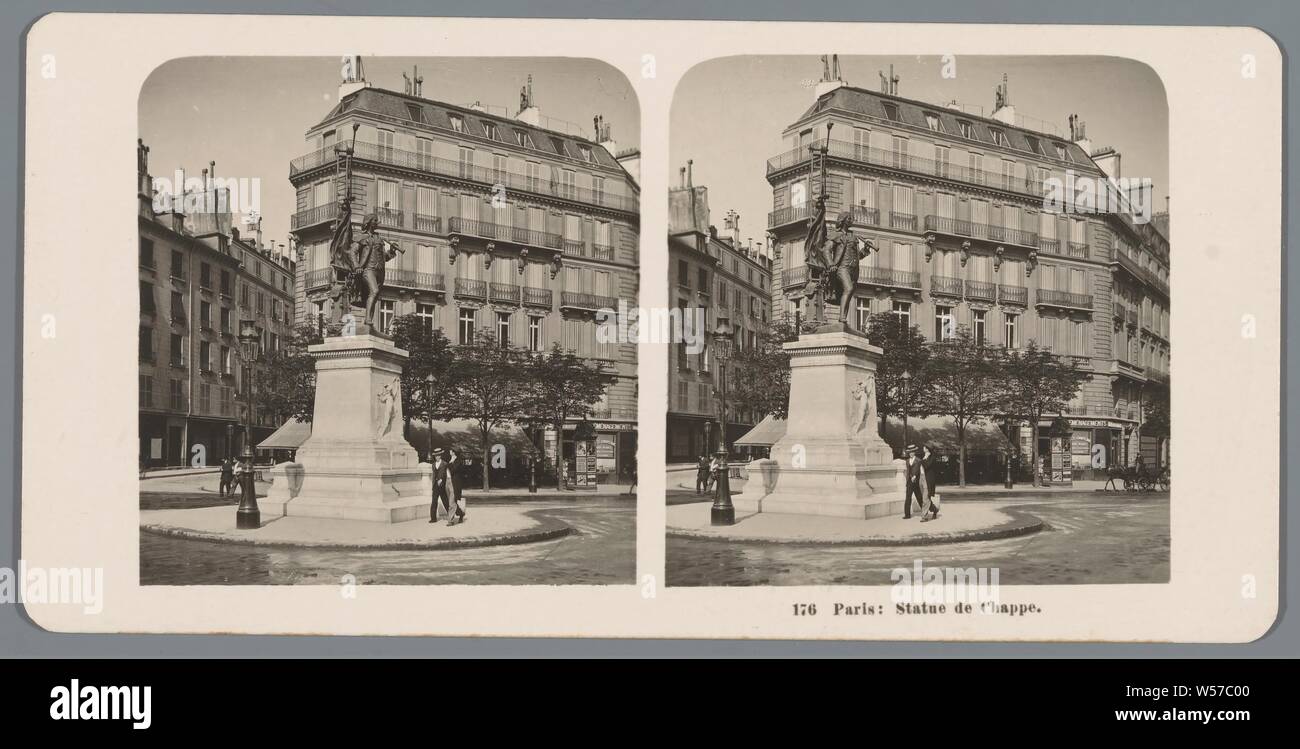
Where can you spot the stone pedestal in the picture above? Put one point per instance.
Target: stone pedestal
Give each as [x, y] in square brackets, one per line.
[356, 465]
[831, 460]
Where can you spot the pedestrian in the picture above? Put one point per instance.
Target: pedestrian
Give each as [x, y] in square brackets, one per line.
[917, 484]
[227, 477]
[932, 484]
[442, 486]
[240, 470]
[702, 475]
[632, 489]
[715, 468]
[458, 499]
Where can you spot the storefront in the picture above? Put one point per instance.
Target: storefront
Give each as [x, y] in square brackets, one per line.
[1086, 448]
[608, 458]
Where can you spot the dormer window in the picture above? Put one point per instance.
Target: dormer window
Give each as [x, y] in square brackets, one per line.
[999, 137]
[523, 139]
[932, 122]
[490, 130]
[891, 111]
[558, 145]
[967, 129]
[414, 112]
[1062, 152]
[586, 152]
[1034, 145]
[457, 123]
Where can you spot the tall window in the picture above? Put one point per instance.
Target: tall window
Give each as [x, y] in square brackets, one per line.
[386, 142]
[1010, 331]
[943, 323]
[424, 152]
[387, 311]
[388, 200]
[864, 313]
[978, 317]
[465, 326]
[146, 253]
[534, 333]
[903, 310]
[466, 163]
[425, 314]
[503, 329]
[205, 356]
[178, 264]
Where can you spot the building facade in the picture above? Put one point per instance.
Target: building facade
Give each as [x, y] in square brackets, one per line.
[200, 281]
[720, 276]
[954, 204]
[503, 224]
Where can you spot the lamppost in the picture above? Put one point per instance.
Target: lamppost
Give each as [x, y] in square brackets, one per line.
[907, 381]
[248, 515]
[723, 513]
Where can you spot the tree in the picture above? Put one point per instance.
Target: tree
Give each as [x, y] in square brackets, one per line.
[1036, 382]
[765, 386]
[562, 386]
[427, 373]
[487, 387]
[287, 384]
[963, 381]
[905, 350]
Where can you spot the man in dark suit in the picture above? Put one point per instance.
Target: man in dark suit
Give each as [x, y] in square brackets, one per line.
[443, 483]
[917, 481]
[457, 501]
[932, 483]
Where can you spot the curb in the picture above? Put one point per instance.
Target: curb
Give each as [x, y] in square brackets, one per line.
[546, 530]
[1018, 526]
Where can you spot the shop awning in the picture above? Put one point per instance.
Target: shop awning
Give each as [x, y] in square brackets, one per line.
[764, 434]
[289, 436]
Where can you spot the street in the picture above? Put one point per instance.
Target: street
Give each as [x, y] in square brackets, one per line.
[601, 551]
[1089, 540]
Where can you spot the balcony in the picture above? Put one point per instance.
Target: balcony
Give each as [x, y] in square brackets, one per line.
[1077, 249]
[427, 163]
[864, 216]
[535, 297]
[988, 232]
[575, 247]
[1013, 295]
[602, 252]
[409, 279]
[791, 277]
[469, 288]
[1157, 376]
[946, 286]
[902, 221]
[854, 152]
[890, 278]
[790, 215]
[1127, 264]
[428, 224]
[1121, 368]
[315, 279]
[389, 217]
[313, 216]
[981, 291]
[1064, 300]
[577, 300]
[486, 230]
[504, 292]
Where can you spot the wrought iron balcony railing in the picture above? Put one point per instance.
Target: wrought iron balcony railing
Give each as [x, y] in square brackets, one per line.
[990, 232]
[504, 292]
[946, 285]
[890, 278]
[789, 215]
[902, 221]
[312, 216]
[470, 288]
[535, 297]
[410, 279]
[797, 276]
[1008, 294]
[866, 216]
[981, 291]
[589, 302]
[425, 162]
[1064, 299]
[428, 224]
[518, 235]
[602, 252]
[389, 217]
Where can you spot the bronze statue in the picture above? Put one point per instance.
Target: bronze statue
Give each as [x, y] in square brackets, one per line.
[832, 259]
[358, 267]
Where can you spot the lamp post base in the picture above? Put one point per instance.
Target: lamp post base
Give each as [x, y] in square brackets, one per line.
[248, 519]
[723, 515]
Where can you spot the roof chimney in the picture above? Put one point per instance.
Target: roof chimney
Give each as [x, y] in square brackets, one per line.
[528, 111]
[1079, 134]
[604, 135]
[831, 78]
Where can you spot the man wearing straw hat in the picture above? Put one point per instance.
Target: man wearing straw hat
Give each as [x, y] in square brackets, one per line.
[918, 484]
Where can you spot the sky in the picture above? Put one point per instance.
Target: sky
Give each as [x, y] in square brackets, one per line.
[728, 114]
[250, 114]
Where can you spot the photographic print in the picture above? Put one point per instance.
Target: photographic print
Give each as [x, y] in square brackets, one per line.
[370, 289]
[940, 335]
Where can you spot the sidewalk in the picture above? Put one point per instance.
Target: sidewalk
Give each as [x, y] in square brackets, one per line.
[679, 479]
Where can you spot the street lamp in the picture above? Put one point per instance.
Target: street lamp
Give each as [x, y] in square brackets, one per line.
[907, 381]
[723, 513]
[248, 515]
